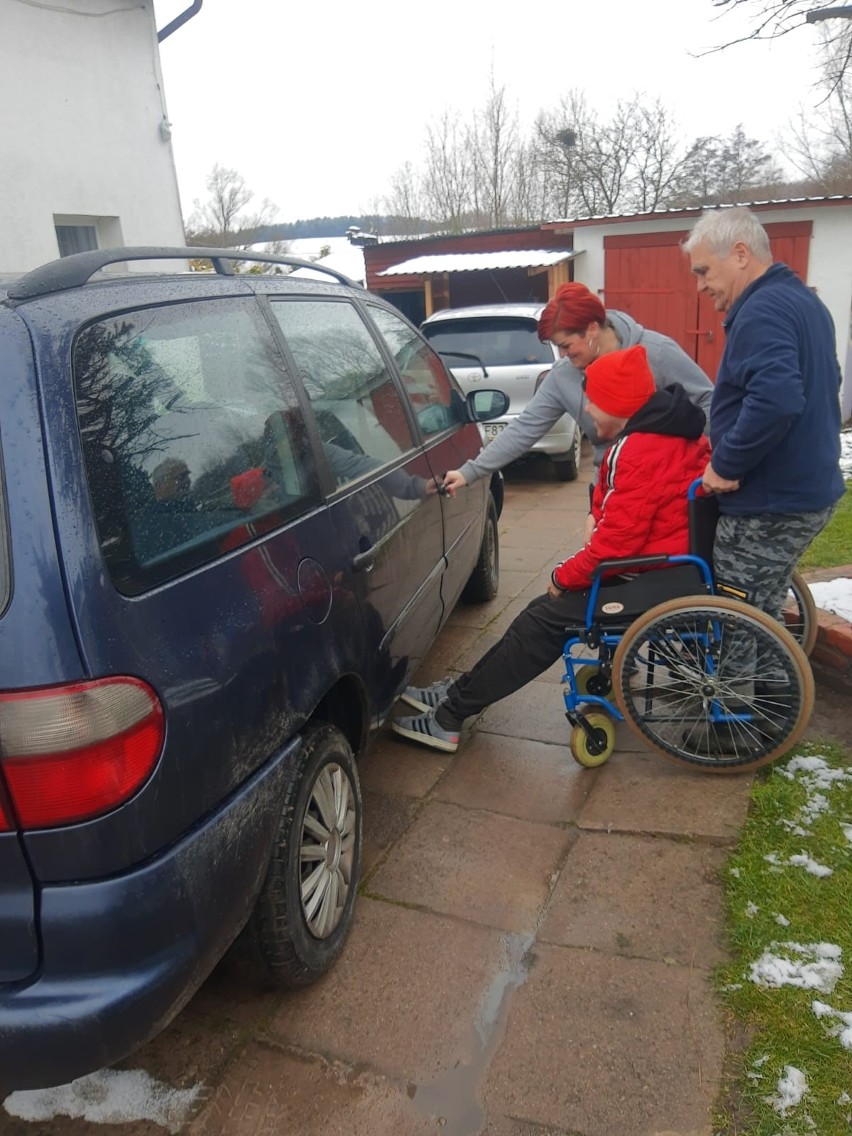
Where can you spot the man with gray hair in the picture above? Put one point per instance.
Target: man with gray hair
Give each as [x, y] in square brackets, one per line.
[775, 412]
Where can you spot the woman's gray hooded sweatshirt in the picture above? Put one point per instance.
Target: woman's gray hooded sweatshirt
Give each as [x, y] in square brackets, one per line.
[562, 393]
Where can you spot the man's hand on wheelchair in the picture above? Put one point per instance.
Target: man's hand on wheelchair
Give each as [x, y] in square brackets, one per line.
[711, 482]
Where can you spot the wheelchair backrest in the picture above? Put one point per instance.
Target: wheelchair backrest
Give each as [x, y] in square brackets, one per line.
[703, 518]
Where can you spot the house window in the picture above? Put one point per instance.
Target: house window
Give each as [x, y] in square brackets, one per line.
[76, 238]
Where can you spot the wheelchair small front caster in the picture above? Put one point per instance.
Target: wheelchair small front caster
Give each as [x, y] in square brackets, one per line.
[593, 680]
[592, 750]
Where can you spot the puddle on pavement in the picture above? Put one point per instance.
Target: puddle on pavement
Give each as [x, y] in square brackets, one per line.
[453, 1097]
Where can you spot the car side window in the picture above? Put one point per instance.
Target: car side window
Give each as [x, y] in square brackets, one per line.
[192, 436]
[426, 380]
[359, 413]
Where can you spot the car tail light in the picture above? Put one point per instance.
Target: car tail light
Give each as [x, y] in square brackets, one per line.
[541, 378]
[73, 752]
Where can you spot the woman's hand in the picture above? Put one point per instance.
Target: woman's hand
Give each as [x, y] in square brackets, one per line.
[453, 481]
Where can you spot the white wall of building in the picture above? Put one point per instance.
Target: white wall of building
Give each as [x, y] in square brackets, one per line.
[84, 129]
[829, 263]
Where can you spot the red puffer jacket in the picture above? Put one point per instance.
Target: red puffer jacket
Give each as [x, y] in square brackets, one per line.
[639, 502]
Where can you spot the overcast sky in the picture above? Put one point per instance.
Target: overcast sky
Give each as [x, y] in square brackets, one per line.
[318, 102]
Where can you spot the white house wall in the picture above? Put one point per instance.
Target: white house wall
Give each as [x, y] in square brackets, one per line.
[829, 263]
[82, 118]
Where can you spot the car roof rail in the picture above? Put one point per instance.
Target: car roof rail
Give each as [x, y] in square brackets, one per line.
[75, 270]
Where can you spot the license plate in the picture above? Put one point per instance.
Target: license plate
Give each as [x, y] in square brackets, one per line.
[492, 429]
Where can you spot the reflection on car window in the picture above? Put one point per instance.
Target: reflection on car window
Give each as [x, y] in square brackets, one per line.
[359, 413]
[498, 341]
[192, 439]
[425, 377]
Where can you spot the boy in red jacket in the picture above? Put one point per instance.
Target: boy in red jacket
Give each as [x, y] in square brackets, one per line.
[638, 509]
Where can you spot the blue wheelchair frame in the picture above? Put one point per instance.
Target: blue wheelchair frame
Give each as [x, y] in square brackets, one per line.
[596, 635]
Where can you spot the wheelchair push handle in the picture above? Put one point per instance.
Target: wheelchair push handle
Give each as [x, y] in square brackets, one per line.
[692, 491]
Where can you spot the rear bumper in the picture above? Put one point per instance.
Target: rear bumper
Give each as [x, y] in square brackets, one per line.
[123, 955]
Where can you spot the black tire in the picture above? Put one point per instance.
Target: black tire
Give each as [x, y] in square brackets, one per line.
[681, 656]
[485, 578]
[801, 613]
[568, 468]
[297, 944]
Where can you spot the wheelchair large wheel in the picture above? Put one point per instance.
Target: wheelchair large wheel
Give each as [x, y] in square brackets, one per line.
[801, 613]
[713, 683]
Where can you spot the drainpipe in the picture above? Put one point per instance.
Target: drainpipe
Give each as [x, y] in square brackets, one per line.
[180, 20]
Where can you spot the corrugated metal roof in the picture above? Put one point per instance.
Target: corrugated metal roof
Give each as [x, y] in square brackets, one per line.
[836, 198]
[477, 261]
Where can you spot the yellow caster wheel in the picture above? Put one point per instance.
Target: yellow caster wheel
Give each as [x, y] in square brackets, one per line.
[590, 680]
[590, 752]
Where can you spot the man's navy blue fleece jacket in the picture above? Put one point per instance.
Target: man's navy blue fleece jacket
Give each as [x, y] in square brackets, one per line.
[775, 414]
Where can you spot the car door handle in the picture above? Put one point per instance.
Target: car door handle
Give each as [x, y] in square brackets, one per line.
[365, 561]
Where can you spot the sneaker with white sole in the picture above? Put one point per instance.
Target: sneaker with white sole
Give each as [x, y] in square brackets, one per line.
[427, 697]
[425, 729]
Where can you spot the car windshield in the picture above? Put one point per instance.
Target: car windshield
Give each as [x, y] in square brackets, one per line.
[498, 341]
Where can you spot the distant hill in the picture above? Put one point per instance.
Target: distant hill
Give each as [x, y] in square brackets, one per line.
[337, 226]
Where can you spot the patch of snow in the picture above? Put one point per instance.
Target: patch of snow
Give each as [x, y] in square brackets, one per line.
[814, 966]
[782, 920]
[817, 778]
[790, 1091]
[108, 1097]
[841, 1026]
[844, 1098]
[834, 596]
[846, 453]
[751, 910]
[847, 831]
[735, 872]
[810, 865]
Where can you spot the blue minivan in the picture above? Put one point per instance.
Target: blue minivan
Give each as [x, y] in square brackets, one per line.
[223, 553]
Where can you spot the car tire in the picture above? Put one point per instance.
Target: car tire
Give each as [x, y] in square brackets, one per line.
[568, 468]
[485, 578]
[296, 938]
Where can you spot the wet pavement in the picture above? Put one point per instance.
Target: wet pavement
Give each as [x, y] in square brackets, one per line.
[534, 942]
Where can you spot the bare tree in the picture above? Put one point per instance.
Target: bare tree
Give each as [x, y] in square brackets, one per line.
[772, 19]
[404, 202]
[494, 144]
[820, 143]
[222, 220]
[449, 173]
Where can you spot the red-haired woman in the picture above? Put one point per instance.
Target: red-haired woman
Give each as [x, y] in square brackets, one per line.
[577, 323]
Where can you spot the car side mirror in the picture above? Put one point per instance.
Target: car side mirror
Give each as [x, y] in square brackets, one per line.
[483, 405]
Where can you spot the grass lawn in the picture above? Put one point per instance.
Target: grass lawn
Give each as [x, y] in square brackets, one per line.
[833, 546]
[789, 984]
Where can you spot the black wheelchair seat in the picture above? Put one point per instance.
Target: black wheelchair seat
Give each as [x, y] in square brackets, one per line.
[623, 601]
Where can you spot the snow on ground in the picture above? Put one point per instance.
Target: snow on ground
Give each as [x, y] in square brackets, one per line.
[834, 596]
[790, 1090]
[108, 1097]
[812, 966]
[840, 1022]
[846, 453]
[342, 256]
[817, 778]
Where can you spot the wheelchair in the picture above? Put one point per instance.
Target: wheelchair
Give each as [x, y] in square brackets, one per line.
[704, 678]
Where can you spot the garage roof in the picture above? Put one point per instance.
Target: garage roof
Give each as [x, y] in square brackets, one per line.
[478, 261]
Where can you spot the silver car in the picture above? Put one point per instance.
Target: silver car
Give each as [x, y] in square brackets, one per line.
[503, 338]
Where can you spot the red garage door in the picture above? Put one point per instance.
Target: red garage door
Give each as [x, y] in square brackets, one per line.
[648, 276]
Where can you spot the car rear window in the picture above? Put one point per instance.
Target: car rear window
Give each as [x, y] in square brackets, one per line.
[497, 341]
[193, 439]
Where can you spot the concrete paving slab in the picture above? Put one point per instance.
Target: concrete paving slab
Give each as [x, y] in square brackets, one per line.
[532, 782]
[642, 792]
[385, 820]
[491, 869]
[404, 999]
[536, 713]
[398, 768]
[639, 1048]
[273, 1092]
[640, 896]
